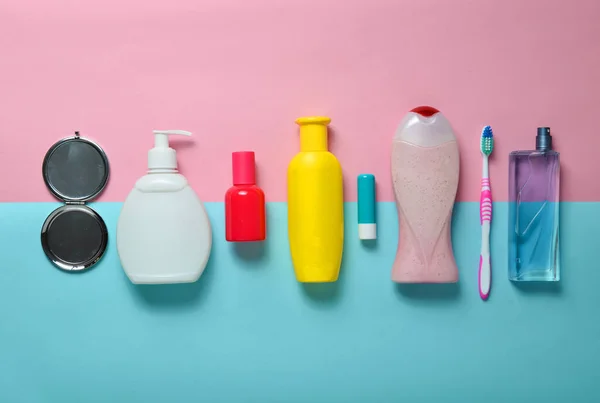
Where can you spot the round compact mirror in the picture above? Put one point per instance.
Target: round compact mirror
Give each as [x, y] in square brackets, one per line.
[75, 170]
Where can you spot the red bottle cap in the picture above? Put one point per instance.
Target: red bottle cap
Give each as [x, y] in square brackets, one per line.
[425, 111]
[243, 168]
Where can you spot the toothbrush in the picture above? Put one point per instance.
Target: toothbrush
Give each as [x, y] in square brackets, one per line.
[485, 215]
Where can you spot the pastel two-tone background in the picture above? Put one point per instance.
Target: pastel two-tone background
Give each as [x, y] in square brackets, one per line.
[237, 73]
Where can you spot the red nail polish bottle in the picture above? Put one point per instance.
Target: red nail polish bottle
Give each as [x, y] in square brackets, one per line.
[244, 202]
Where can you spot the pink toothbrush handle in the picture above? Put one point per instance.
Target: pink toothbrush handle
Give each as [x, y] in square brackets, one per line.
[485, 201]
[485, 215]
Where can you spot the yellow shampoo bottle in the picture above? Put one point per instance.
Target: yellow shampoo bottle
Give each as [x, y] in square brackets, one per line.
[315, 205]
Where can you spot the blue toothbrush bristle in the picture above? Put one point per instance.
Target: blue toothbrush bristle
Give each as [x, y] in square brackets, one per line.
[487, 132]
[487, 141]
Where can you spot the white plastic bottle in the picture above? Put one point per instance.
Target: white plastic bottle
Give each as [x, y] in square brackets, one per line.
[163, 232]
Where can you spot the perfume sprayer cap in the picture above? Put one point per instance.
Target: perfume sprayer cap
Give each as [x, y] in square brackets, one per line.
[543, 140]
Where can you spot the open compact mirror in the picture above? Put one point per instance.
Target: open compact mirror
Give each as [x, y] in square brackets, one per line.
[75, 170]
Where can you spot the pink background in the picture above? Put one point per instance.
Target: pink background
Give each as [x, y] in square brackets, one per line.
[237, 73]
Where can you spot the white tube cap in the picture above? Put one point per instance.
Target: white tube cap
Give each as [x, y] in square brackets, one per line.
[367, 231]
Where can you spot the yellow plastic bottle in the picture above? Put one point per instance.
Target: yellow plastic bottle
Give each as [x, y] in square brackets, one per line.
[315, 205]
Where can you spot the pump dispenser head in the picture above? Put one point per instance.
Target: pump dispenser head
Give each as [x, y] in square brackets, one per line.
[162, 156]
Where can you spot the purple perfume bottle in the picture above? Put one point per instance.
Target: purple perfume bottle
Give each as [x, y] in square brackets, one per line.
[534, 179]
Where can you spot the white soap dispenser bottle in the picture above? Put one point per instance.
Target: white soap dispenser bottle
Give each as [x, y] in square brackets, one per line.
[163, 232]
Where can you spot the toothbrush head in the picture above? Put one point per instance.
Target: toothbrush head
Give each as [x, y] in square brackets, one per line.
[487, 141]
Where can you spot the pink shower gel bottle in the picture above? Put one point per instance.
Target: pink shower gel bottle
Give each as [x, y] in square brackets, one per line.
[425, 168]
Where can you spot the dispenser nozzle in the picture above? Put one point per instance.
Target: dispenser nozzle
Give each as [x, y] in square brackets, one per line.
[161, 137]
[162, 156]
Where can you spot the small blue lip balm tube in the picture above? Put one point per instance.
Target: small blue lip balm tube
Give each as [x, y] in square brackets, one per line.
[367, 224]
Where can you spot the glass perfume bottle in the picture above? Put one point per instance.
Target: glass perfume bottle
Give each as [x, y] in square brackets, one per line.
[534, 179]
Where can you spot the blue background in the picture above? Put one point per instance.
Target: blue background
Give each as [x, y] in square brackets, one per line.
[248, 332]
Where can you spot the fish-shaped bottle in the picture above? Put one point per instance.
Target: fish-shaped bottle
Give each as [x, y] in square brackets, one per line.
[425, 171]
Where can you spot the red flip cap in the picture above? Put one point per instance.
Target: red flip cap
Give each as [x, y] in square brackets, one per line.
[426, 111]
